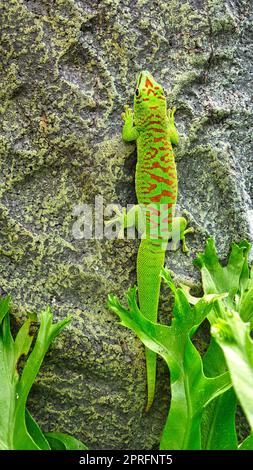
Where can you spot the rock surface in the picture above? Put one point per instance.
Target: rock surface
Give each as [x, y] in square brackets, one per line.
[68, 67]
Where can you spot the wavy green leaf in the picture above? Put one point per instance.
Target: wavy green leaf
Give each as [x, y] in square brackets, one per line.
[35, 432]
[4, 307]
[18, 430]
[203, 405]
[233, 336]
[61, 441]
[235, 278]
[191, 390]
[247, 444]
[220, 413]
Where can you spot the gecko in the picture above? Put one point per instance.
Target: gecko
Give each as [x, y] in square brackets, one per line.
[152, 126]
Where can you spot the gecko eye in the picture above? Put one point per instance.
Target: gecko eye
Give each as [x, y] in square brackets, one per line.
[137, 92]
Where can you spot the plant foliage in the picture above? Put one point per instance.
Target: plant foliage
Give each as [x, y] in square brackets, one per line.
[204, 390]
[18, 429]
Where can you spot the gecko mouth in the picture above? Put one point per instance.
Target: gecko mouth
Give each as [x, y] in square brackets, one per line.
[139, 81]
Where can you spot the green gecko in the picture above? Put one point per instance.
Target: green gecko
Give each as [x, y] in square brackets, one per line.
[152, 126]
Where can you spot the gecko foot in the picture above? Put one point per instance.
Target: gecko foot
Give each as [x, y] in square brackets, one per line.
[127, 114]
[185, 247]
[118, 220]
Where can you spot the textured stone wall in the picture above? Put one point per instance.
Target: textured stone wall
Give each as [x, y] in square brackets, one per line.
[67, 69]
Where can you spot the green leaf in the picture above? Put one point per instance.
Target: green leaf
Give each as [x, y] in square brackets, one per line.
[244, 304]
[228, 279]
[207, 298]
[233, 336]
[18, 430]
[47, 333]
[4, 307]
[191, 390]
[190, 395]
[35, 432]
[60, 441]
[247, 444]
[23, 341]
[218, 423]
[220, 413]
[236, 279]
[202, 401]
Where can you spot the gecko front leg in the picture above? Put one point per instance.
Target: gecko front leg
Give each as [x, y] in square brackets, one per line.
[173, 133]
[129, 131]
[123, 218]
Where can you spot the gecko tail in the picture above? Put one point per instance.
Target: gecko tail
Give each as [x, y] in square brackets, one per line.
[150, 260]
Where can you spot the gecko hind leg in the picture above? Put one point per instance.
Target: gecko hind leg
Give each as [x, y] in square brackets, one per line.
[179, 232]
[124, 219]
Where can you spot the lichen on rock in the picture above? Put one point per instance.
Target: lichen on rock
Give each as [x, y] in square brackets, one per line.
[68, 68]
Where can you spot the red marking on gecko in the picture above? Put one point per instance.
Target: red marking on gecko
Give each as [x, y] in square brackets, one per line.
[152, 155]
[148, 83]
[150, 188]
[151, 116]
[165, 159]
[165, 229]
[160, 179]
[167, 219]
[164, 148]
[164, 192]
[151, 91]
[167, 206]
[154, 129]
[164, 169]
[154, 210]
[153, 224]
[149, 156]
[155, 122]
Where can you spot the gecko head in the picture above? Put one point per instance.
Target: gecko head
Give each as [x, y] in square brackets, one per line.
[148, 92]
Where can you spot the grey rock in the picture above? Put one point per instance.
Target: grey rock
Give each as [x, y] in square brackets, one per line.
[68, 68]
